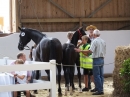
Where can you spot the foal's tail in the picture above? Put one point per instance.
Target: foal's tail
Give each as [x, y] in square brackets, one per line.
[68, 55]
[52, 50]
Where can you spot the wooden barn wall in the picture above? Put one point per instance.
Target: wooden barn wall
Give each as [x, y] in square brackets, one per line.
[39, 9]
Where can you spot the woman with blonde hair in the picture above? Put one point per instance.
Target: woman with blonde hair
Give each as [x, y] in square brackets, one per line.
[21, 77]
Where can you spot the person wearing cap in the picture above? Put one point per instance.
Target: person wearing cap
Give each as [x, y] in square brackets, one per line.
[90, 29]
[98, 50]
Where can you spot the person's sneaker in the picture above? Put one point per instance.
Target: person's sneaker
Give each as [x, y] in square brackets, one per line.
[93, 90]
[98, 93]
[35, 91]
[85, 89]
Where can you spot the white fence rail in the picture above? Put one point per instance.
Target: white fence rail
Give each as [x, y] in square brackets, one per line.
[32, 86]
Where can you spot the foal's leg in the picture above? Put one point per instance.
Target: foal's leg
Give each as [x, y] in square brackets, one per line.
[72, 83]
[59, 79]
[67, 73]
[79, 73]
[67, 78]
[48, 74]
[38, 74]
[64, 68]
[71, 78]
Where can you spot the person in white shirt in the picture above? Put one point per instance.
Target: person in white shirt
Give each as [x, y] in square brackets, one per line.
[98, 50]
[69, 36]
[21, 77]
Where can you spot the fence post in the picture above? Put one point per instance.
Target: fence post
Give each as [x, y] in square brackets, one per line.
[53, 78]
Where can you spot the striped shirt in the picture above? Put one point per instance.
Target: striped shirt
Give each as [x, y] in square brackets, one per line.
[98, 48]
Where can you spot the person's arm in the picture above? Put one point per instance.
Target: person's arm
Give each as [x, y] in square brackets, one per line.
[24, 73]
[79, 45]
[28, 76]
[30, 55]
[20, 76]
[90, 51]
[83, 51]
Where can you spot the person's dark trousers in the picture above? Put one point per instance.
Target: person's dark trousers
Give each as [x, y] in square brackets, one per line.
[98, 73]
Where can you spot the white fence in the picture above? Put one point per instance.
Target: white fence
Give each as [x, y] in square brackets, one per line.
[31, 86]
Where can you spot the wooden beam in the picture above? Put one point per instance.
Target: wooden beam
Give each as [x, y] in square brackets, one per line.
[50, 20]
[80, 22]
[100, 7]
[10, 16]
[123, 27]
[95, 11]
[58, 6]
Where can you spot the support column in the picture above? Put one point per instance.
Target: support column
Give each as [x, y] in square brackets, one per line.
[15, 15]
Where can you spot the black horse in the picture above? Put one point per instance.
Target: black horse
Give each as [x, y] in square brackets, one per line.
[47, 49]
[77, 36]
[69, 58]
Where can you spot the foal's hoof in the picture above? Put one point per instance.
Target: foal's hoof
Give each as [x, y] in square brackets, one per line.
[59, 94]
[35, 91]
[75, 89]
[65, 94]
[80, 90]
[71, 94]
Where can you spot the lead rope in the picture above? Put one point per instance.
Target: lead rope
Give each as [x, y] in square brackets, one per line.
[34, 11]
[79, 66]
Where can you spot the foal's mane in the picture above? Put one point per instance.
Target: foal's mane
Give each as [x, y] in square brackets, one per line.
[32, 30]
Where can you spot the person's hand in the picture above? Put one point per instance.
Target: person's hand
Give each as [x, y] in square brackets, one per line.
[30, 50]
[27, 81]
[77, 50]
[15, 75]
[80, 43]
[86, 54]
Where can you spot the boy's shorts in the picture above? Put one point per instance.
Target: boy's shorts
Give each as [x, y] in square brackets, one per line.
[88, 71]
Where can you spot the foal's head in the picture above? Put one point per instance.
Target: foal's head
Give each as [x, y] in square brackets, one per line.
[23, 38]
[77, 35]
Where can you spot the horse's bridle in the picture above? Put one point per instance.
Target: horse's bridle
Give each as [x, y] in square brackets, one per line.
[28, 48]
[80, 34]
